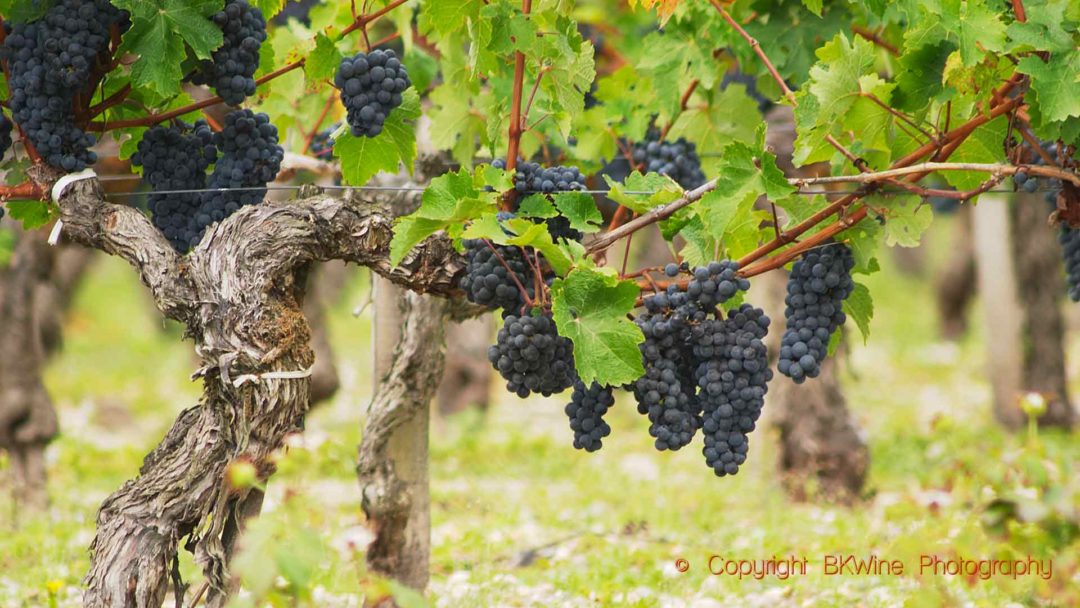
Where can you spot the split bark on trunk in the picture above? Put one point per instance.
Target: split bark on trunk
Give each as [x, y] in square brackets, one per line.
[393, 460]
[1020, 280]
[239, 295]
[27, 418]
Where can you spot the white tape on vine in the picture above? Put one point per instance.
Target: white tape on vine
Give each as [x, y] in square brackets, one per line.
[58, 191]
[253, 378]
[54, 236]
[62, 183]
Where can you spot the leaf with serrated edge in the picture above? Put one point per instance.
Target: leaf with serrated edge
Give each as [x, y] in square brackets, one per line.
[363, 157]
[580, 209]
[591, 308]
[860, 308]
[663, 189]
[538, 206]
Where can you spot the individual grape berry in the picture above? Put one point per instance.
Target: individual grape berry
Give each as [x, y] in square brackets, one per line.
[232, 69]
[5, 134]
[175, 157]
[532, 357]
[49, 62]
[1070, 250]
[732, 374]
[671, 270]
[820, 281]
[371, 85]
[586, 412]
[487, 281]
[1020, 177]
[250, 159]
[677, 160]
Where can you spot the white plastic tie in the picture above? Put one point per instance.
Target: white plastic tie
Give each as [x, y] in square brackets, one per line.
[54, 236]
[62, 183]
[253, 378]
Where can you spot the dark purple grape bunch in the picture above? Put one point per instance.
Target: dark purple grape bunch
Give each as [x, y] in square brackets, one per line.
[322, 145]
[49, 62]
[676, 159]
[175, 157]
[819, 283]
[232, 69]
[371, 86]
[532, 357]
[586, 410]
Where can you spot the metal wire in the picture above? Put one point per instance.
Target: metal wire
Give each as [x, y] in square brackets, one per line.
[421, 189]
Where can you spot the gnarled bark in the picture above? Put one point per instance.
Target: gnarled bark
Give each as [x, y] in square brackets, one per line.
[394, 489]
[239, 294]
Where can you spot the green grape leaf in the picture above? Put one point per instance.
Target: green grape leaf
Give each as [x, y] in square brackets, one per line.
[129, 140]
[814, 6]
[269, 8]
[982, 146]
[20, 11]
[488, 227]
[321, 63]
[580, 209]
[32, 214]
[1055, 84]
[456, 125]
[160, 54]
[448, 16]
[658, 190]
[834, 87]
[859, 307]
[363, 157]
[590, 308]
[409, 232]
[499, 180]
[745, 174]
[1043, 29]
[972, 25]
[701, 248]
[534, 235]
[158, 35]
[538, 206]
[920, 76]
[731, 115]
[448, 202]
[906, 219]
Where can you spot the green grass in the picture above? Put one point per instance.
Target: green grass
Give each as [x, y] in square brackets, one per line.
[519, 518]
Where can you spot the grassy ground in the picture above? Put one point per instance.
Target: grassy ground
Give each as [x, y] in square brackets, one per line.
[522, 519]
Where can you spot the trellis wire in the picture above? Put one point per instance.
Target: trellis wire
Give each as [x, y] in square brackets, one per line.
[421, 189]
